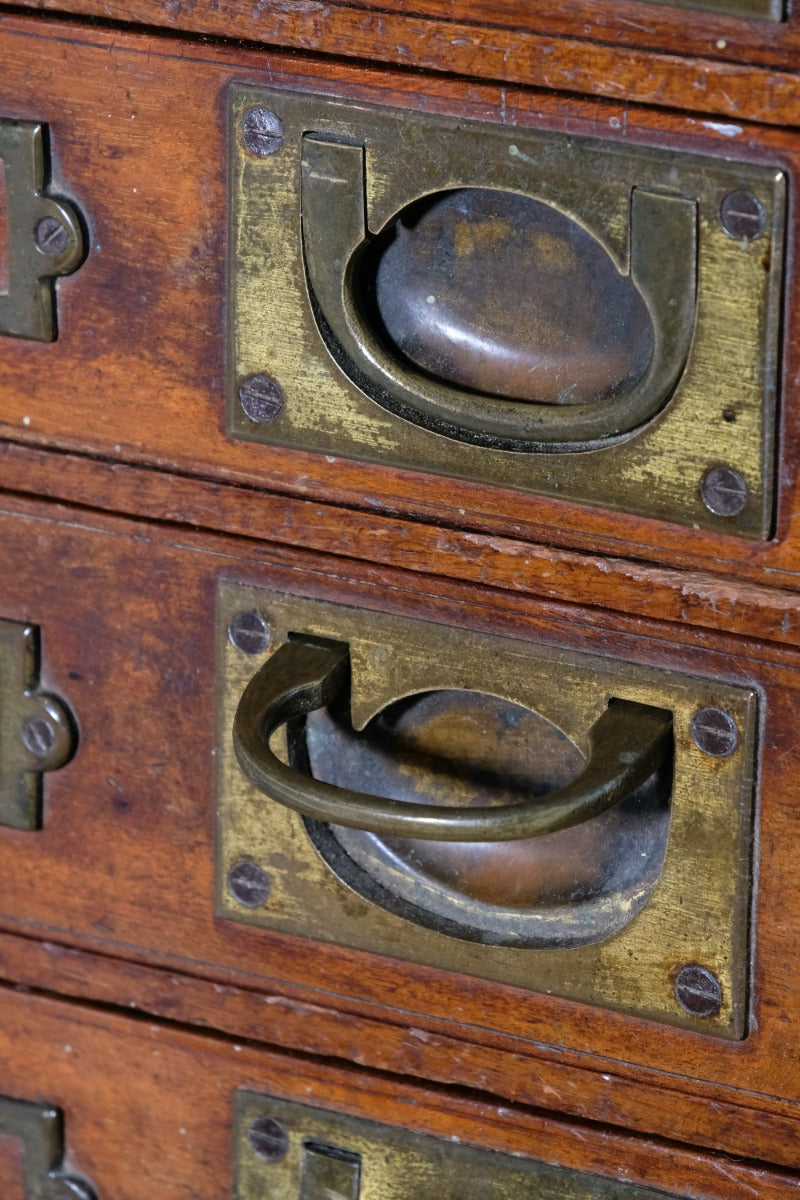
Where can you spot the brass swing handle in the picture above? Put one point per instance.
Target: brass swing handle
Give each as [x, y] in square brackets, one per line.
[627, 744]
[663, 267]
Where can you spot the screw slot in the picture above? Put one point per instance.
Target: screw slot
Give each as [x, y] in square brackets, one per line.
[249, 884]
[714, 732]
[262, 132]
[261, 398]
[723, 491]
[249, 632]
[268, 1139]
[698, 991]
[743, 216]
[52, 236]
[38, 736]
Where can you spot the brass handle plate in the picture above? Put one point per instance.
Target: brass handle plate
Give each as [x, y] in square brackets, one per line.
[43, 239]
[40, 1130]
[37, 730]
[289, 1151]
[321, 192]
[693, 910]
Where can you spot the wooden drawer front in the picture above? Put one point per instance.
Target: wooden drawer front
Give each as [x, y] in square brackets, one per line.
[124, 861]
[143, 349]
[151, 1110]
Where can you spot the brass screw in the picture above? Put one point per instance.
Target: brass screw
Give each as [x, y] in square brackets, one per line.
[249, 884]
[268, 1138]
[38, 736]
[261, 398]
[698, 991]
[51, 236]
[723, 491]
[249, 632]
[743, 216]
[714, 732]
[262, 132]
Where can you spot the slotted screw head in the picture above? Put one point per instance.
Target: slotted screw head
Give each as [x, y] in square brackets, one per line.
[261, 398]
[268, 1138]
[743, 216]
[249, 884]
[715, 732]
[262, 132]
[723, 491]
[249, 632]
[51, 235]
[38, 736]
[698, 991]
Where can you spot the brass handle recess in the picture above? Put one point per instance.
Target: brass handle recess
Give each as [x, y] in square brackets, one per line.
[663, 231]
[627, 745]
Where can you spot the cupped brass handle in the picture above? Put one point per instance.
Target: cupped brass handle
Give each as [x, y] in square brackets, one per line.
[662, 265]
[628, 743]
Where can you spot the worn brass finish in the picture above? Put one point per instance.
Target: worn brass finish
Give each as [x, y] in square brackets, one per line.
[662, 255]
[697, 910]
[44, 234]
[303, 217]
[40, 1129]
[331, 1156]
[627, 743]
[36, 730]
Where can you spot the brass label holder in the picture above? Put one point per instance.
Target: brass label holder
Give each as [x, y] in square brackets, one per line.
[310, 176]
[37, 732]
[45, 239]
[289, 1151]
[697, 912]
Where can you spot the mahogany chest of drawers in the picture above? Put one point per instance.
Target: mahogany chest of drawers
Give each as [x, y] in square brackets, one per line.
[399, 604]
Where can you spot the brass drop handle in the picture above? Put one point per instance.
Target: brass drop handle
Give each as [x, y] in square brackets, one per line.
[628, 743]
[663, 230]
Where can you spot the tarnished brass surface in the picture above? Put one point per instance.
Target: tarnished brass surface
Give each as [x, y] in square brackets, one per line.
[330, 1156]
[40, 1129]
[305, 308]
[627, 744]
[44, 237]
[36, 730]
[693, 911]
[443, 272]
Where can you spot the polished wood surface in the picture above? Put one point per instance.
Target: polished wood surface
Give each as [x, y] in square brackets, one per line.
[124, 863]
[147, 1108]
[641, 52]
[137, 374]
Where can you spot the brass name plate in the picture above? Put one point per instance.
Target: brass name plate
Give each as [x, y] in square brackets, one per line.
[288, 1151]
[561, 315]
[655, 923]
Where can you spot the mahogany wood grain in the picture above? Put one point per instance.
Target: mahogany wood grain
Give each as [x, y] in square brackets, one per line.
[500, 1066]
[137, 373]
[725, 603]
[643, 53]
[147, 1109]
[124, 863]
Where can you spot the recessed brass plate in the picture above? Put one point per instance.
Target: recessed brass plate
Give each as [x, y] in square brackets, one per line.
[308, 1153]
[697, 912]
[318, 170]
